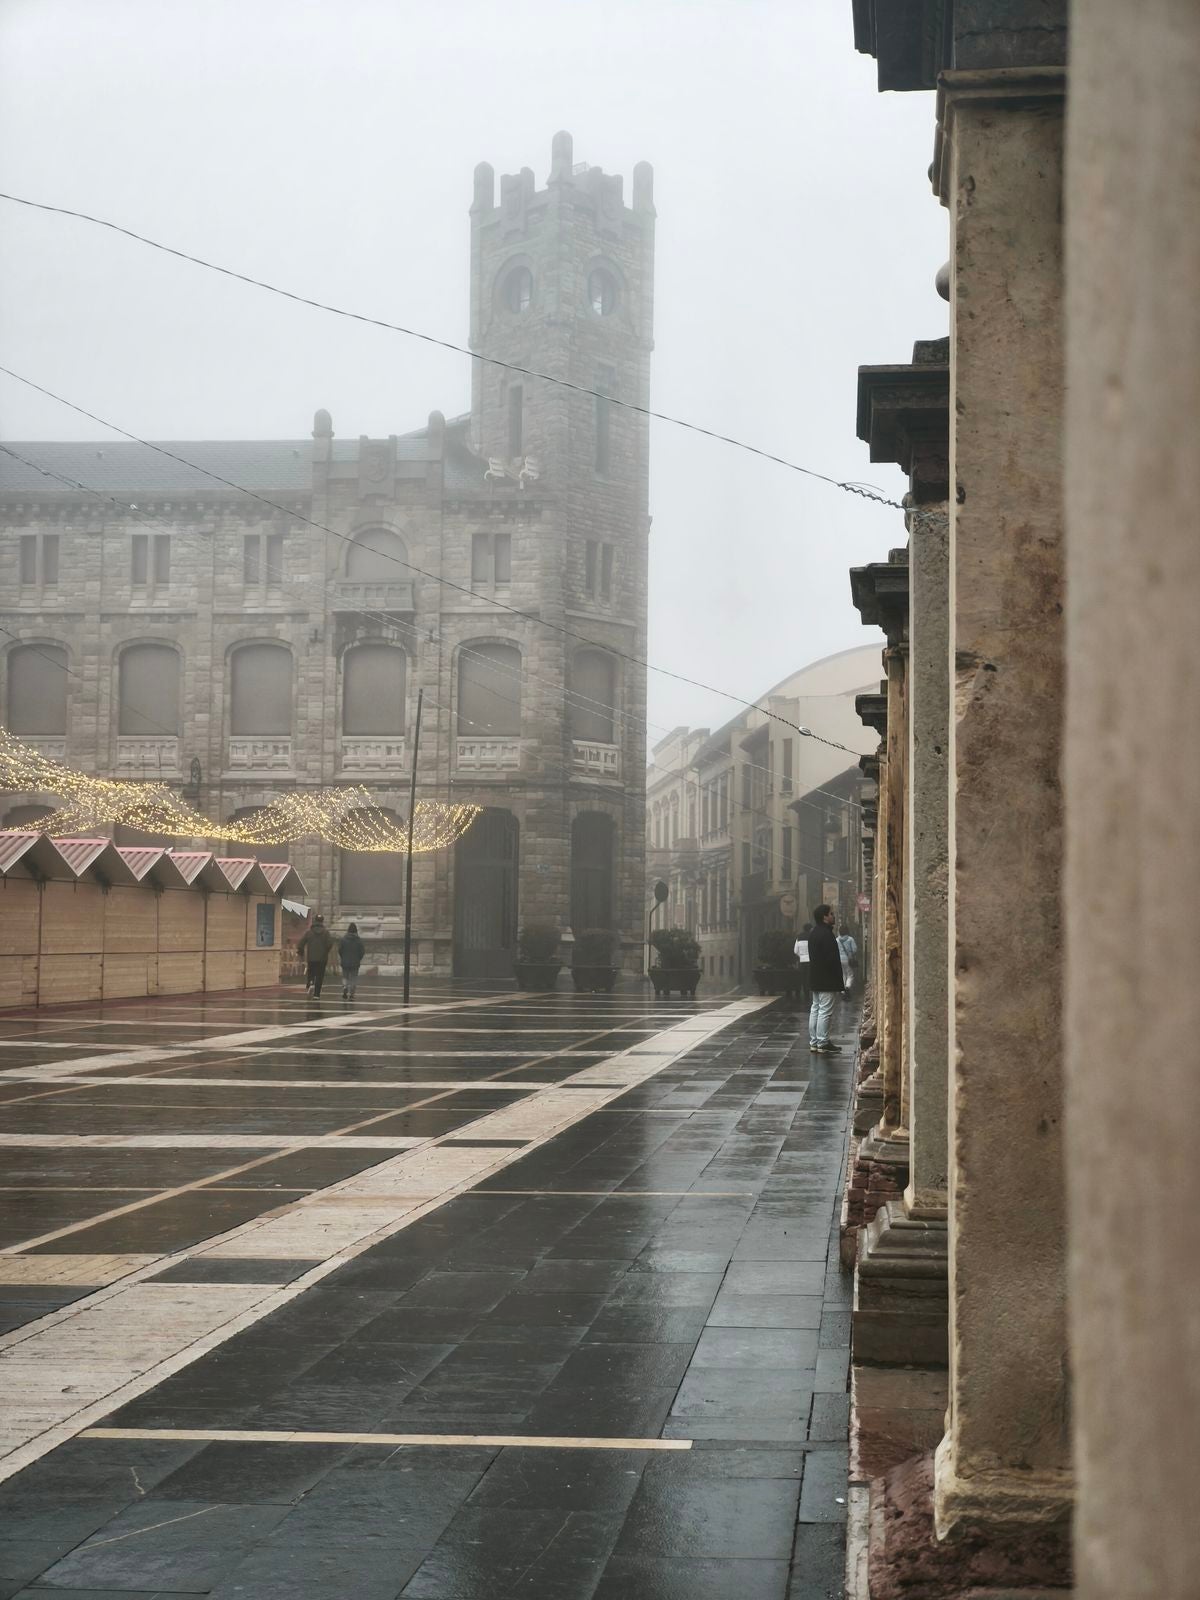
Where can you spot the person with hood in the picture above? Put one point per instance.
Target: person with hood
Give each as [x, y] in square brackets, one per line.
[825, 973]
[315, 947]
[351, 950]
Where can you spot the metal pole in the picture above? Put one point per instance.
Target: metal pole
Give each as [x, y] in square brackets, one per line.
[412, 813]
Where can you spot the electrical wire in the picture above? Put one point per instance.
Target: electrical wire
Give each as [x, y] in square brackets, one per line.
[865, 491]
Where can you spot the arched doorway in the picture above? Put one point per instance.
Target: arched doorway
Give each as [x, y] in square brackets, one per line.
[485, 897]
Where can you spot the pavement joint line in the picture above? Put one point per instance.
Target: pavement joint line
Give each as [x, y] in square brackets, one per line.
[46, 1436]
[256, 1036]
[245, 1142]
[524, 1441]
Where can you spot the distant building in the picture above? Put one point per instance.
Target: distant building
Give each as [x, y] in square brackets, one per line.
[753, 825]
[205, 631]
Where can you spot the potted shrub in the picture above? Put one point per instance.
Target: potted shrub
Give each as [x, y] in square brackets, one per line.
[678, 963]
[592, 966]
[537, 963]
[778, 971]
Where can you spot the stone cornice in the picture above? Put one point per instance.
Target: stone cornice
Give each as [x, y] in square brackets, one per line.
[915, 41]
[880, 595]
[904, 417]
[872, 713]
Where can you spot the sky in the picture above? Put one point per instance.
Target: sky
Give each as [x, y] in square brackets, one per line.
[330, 149]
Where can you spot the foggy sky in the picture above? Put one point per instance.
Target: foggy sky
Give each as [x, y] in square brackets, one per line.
[329, 149]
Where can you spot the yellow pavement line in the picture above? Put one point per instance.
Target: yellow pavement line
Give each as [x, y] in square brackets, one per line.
[523, 1441]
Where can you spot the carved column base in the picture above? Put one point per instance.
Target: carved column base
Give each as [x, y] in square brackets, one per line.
[907, 1561]
[878, 1173]
[868, 1103]
[901, 1300]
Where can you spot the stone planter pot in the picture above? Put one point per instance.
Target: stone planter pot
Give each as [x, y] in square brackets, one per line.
[685, 979]
[593, 980]
[537, 974]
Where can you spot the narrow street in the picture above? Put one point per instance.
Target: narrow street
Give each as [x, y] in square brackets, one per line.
[494, 1295]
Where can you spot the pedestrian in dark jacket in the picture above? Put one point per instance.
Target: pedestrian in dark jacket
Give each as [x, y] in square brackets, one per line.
[825, 974]
[315, 947]
[351, 950]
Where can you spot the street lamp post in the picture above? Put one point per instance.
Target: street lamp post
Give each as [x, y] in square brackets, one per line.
[661, 891]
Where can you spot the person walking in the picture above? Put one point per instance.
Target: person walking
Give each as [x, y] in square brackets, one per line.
[825, 972]
[315, 947]
[351, 950]
[848, 950]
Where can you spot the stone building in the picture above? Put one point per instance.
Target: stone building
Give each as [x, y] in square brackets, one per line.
[241, 618]
[1026, 1323]
[752, 825]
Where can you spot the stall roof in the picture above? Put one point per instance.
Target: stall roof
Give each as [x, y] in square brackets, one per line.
[38, 855]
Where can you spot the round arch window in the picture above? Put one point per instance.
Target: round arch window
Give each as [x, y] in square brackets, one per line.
[602, 291]
[517, 290]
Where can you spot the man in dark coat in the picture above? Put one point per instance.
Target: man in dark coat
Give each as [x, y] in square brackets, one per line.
[351, 950]
[315, 947]
[825, 973]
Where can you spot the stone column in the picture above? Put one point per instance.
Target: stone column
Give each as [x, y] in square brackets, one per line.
[928, 869]
[880, 593]
[900, 1303]
[891, 1037]
[1132, 781]
[1004, 1465]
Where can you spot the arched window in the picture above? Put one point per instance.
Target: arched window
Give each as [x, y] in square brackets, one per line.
[371, 877]
[489, 690]
[592, 856]
[602, 291]
[37, 689]
[261, 690]
[593, 693]
[373, 691]
[148, 689]
[22, 816]
[261, 852]
[516, 291]
[378, 556]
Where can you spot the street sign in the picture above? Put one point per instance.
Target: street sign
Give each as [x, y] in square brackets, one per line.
[863, 902]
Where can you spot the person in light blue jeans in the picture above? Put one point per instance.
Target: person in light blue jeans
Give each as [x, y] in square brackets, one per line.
[825, 969]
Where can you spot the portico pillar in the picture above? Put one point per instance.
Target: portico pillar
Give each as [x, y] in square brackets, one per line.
[891, 1054]
[927, 875]
[1004, 1464]
[900, 1309]
[1132, 781]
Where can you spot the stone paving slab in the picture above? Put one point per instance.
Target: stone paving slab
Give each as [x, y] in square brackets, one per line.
[604, 1363]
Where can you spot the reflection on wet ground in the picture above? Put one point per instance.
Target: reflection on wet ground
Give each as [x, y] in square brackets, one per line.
[591, 1223]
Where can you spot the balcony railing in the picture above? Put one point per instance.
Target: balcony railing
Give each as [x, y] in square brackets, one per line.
[597, 760]
[372, 596]
[488, 755]
[51, 745]
[265, 754]
[148, 758]
[371, 755]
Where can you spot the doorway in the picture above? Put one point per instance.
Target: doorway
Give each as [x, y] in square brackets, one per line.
[485, 897]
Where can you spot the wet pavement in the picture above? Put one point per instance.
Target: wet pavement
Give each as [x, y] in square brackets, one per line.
[496, 1295]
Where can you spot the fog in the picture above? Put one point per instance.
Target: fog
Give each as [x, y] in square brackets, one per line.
[329, 149]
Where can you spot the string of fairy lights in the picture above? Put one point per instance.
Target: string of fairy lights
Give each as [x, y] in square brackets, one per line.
[346, 816]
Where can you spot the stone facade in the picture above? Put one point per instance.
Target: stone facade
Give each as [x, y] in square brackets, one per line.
[425, 544]
[754, 824]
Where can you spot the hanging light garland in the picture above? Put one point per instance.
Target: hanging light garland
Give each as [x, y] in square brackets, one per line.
[347, 817]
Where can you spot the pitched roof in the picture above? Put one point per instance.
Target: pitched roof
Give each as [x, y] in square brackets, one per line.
[284, 465]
